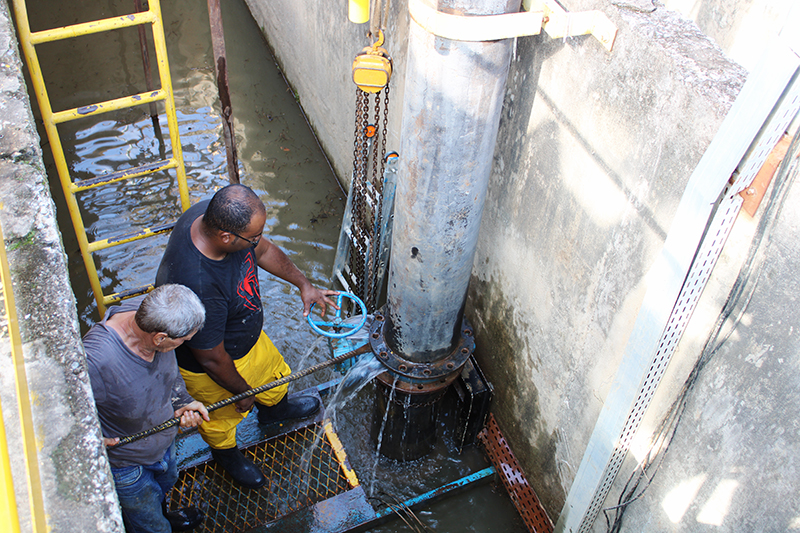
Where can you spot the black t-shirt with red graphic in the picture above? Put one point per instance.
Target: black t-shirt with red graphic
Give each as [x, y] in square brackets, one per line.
[228, 289]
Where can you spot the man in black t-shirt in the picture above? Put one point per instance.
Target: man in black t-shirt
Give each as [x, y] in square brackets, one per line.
[215, 249]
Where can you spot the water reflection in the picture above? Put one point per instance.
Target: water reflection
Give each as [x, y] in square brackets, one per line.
[280, 158]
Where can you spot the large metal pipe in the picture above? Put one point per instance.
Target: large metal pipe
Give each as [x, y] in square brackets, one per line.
[452, 103]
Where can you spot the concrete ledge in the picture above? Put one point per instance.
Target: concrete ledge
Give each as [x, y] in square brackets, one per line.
[76, 481]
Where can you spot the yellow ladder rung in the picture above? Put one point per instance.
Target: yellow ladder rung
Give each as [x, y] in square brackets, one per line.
[135, 172]
[110, 105]
[116, 297]
[51, 119]
[129, 237]
[95, 26]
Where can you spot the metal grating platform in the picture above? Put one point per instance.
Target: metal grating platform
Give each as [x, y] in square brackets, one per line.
[296, 479]
[521, 493]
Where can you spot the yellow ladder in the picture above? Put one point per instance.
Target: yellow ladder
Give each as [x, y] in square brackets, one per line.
[51, 120]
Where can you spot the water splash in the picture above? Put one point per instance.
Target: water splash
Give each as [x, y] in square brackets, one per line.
[380, 437]
[364, 371]
[314, 345]
[359, 375]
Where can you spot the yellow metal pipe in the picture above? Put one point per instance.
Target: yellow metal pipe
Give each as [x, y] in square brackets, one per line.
[117, 297]
[29, 51]
[105, 179]
[341, 456]
[96, 26]
[9, 519]
[102, 244]
[110, 105]
[35, 498]
[159, 41]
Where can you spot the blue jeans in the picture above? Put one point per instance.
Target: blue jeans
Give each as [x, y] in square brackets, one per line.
[141, 489]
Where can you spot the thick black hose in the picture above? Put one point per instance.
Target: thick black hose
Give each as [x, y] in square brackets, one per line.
[246, 394]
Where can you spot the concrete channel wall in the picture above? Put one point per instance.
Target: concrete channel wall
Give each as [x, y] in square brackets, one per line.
[76, 484]
[595, 149]
[594, 152]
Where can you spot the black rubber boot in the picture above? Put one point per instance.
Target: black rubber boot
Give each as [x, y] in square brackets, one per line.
[183, 519]
[294, 408]
[241, 469]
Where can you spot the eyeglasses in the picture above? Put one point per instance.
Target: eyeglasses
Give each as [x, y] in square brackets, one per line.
[253, 243]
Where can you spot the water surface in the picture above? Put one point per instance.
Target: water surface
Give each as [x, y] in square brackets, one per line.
[279, 158]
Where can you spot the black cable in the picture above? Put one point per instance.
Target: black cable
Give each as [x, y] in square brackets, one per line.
[749, 275]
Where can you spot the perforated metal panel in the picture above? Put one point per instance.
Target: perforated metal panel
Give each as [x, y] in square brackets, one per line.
[520, 492]
[296, 478]
[362, 253]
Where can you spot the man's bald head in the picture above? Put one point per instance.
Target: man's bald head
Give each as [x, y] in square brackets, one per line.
[232, 208]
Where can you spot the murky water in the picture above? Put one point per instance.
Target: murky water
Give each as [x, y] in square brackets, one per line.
[279, 158]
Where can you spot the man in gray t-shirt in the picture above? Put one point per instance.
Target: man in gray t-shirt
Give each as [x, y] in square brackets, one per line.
[137, 386]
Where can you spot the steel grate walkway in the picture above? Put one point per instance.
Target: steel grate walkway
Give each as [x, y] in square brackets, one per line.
[302, 467]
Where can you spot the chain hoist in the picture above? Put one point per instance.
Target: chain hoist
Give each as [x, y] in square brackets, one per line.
[372, 70]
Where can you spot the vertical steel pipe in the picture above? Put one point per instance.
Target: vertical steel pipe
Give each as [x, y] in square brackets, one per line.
[452, 103]
[451, 113]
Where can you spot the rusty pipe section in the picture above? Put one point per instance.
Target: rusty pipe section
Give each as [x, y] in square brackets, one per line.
[452, 102]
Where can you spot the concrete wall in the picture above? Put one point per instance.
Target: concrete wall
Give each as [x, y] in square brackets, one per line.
[593, 154]
[594, 151]
[739, 27]
[314, 45]
[732, 465]
[76, 481]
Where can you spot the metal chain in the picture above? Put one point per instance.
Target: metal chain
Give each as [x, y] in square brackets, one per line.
[367, 196]
[383, 132]
[375, 159]
[374, 289]
[358, 240]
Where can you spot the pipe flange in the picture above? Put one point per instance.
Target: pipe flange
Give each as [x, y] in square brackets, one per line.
[420, 372]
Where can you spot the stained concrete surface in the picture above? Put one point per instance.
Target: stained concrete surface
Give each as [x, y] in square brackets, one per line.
[732, 465]
[76, 484]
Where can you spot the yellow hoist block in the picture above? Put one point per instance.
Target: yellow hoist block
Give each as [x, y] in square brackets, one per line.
[372, 68]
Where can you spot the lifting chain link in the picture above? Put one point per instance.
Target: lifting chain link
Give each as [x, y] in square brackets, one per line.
[360, 156]
[367, 195]
[374, 289]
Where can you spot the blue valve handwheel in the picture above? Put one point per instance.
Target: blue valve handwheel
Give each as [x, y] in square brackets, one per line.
[337, 323]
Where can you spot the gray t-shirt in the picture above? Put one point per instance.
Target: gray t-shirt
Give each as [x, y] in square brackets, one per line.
[131, 394]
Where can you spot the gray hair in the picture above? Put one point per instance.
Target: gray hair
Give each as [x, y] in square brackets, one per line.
[172, 309]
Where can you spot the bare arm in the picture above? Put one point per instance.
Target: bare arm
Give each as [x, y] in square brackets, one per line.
[272, 259]
[219, 366]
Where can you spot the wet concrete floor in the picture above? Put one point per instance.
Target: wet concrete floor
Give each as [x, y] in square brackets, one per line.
[279, 158]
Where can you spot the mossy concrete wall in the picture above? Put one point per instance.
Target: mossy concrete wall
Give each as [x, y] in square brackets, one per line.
[593, 154]
[76, 481]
